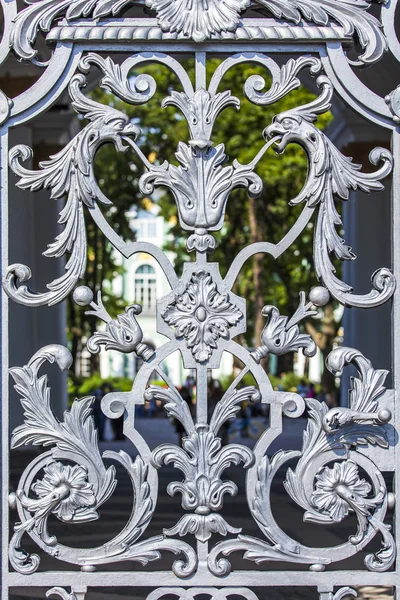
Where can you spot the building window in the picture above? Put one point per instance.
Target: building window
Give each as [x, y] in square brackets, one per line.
[145, 228]
[139, 230]
[151, 230]
[146, 287]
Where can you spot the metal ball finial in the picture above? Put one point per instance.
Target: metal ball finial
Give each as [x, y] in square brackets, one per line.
[82, 295]
[384, 415]
[319, 295]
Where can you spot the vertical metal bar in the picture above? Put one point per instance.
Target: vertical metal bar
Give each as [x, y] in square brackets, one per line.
[4, 357]
[201, 394]
[202, 553]
[201, 77]
[80, 592]
[325, 592]
[396, 319]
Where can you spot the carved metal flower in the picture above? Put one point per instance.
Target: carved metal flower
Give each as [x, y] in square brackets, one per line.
[200, 111]
[282, 335]
[340, 489]
[68, 487]
[198, 19]
[202, 315]
[123, 334]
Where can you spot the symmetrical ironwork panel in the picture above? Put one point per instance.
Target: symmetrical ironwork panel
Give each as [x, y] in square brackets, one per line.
[346, 450]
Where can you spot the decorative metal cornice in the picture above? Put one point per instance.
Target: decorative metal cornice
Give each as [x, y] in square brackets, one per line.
[127, 30]
[198, 21]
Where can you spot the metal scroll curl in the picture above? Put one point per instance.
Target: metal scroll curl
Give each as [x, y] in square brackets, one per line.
[326, 482]
[331, 175]
[75, 482]
[69, 174]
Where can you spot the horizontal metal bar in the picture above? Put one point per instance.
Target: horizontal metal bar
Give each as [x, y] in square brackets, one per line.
[247, 578]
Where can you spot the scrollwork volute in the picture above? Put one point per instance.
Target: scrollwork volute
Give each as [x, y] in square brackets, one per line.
[340, 470]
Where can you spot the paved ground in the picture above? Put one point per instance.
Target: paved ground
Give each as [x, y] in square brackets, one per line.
[114, 515]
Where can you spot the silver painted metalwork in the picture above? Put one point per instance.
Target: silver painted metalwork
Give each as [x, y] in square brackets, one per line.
[124, 334]
[343, 592]
[339, 470]
[192, 593]
[282, 335]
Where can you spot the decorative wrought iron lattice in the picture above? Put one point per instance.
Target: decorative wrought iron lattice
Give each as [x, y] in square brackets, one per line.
[345, 450]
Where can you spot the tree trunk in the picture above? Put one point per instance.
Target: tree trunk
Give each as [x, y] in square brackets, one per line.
[328, 379]
[73, 332]
[256, 236]
[285, 363]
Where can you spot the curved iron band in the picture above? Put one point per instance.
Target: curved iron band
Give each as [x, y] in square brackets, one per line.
[115, 550]
[299, 552]
[9, 10]
[141, 380]
[388, 14]
[244, 57]
[48, 88]
[351, 89]
[164, 59]
[275, 250]
[128, 249]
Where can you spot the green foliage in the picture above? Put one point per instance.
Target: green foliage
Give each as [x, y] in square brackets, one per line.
[78, 387]
[288, 382]
[159, 382]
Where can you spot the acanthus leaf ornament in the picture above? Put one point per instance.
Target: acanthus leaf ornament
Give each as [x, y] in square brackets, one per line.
[201, 186]
[117, 81]
[40, 15]
[335, 491]
[201, 315]
[342, 428]
[202, 459]
[198, 19]
[200, 112]
[284, 81]
[339, 489]
[64, 491]
[331, 175]
[363, 395]
[69, 173]
[74, 493]
[353, 15]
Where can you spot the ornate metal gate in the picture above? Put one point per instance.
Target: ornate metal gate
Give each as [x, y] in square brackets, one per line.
[345, 450]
